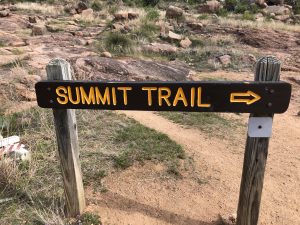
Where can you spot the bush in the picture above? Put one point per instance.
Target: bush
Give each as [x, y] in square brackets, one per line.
[96, 5]
[147, 30]
[240, 8]
[248, 16]
[150, 2]
[118, 43]
[152, 15]
[230, 4]
[222, 12]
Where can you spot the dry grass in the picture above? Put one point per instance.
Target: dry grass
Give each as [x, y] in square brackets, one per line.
[41, 8]
[108, 142]
[275, 25]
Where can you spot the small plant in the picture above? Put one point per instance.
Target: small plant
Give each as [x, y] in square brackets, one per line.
[241, 8]
[248, 16]
[203, 16]
[90, 219]
[147, 30]
[222, 12]
[230, 4]
[150, 2]
[152, 14]
[118, 43]
[96, 5]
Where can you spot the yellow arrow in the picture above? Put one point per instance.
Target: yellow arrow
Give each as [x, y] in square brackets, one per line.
[234, 97]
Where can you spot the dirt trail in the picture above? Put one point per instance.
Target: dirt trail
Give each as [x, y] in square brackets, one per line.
[139, 196]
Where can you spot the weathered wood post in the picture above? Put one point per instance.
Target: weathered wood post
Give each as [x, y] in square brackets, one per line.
[267, 69]
[67, 142]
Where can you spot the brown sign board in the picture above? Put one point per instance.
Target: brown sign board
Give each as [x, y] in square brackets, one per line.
[242, 97]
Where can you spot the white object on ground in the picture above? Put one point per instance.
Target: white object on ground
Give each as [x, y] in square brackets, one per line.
[8, 141]
[11, 148]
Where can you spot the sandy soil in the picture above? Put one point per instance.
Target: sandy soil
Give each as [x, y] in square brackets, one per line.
[141, 195]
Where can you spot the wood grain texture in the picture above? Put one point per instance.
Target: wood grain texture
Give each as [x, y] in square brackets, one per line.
[67, 142]
[256, 152]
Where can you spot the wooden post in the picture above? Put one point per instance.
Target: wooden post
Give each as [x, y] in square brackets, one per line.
[267, 69]
[67, 141]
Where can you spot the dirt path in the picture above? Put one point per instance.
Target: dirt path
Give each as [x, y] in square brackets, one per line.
[140, 196]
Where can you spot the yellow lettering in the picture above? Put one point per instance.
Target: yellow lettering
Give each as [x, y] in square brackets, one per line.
[88, 98]
[149, 89]
[199, 99]
[192, 97]
[71, 97]
[62, 95]
[125, 89]
[103, 98]
[114, 97]
[180, 97]
[165, 96]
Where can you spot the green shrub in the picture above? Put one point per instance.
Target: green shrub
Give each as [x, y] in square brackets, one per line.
[203, 16]
[222, 12]
[152, 15]
[230, 4]
[147, 30]
[241, 8]
[150, 2]
[96, 5]
[248, 16]
[90, 218]
[118, 43]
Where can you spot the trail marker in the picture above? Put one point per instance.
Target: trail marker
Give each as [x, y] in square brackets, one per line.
[262, 98]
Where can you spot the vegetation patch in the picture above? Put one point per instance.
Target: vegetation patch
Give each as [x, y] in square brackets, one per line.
[119, 43]
[108, 141]
[211, 123]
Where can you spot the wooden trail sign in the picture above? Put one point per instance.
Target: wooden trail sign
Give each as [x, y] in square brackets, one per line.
[243, 97]
[262, 98]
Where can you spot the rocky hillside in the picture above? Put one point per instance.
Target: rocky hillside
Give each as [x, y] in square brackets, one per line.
[140, 40]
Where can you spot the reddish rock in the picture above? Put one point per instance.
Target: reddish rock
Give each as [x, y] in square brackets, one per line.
[106, 54]
[38, 30]
[210, 6]
[30, 80]
[160, 48]
[195, 26]
[174, 36]
[225, 59]
[185, 43]
[174, 12]
[121, 16]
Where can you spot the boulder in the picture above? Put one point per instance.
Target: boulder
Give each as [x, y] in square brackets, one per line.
[174, 36]
[282, 18]
[121, 16]
[160, 48]
[260, 3]
[130, 69]
[174, 12]
[87, 13]
[210, 7]
[52, 28]
[277, 10]
[4, 13]
[225, 59]
[185, 43]
[38, 30]
[106, 54]
[195, 26]
[133, 15]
